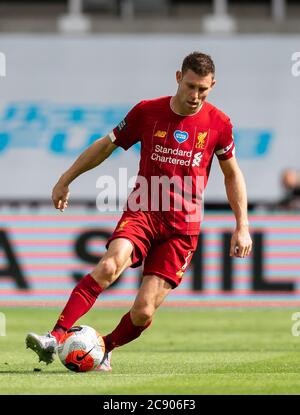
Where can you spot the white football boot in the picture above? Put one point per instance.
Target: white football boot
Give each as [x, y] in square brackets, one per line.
[44, 346]
[105, 364]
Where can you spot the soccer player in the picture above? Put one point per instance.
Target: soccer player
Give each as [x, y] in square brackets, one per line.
[179, 136]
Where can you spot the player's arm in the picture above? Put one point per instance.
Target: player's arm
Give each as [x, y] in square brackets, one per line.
[94, 155]
[241, 243]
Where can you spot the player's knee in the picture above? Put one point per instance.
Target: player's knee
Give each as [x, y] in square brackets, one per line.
[141, 316]
[106, 271]
[108, 267]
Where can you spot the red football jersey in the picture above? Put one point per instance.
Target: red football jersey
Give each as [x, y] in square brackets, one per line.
[176, 157]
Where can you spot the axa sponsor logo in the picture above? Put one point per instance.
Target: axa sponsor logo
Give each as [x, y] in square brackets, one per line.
[160, 134]
[180, 136]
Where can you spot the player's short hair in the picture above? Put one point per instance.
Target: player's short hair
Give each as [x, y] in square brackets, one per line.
[198, 62]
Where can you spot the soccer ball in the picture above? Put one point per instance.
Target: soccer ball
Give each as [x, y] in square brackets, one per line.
[81, 349]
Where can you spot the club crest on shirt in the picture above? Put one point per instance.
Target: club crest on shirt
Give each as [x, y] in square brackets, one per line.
[180, 136]
[122, 225]
[160, 134]
[201, 138]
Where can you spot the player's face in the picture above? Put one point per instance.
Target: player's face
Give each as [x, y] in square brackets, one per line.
[192, 90]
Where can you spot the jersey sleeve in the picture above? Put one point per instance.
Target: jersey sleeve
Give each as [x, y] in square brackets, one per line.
[129, 130]
[225, 148]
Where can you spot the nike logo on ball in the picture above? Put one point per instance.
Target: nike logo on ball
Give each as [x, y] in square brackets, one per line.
[79, 358]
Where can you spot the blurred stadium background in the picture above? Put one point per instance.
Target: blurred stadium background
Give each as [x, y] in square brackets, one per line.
[70, 70]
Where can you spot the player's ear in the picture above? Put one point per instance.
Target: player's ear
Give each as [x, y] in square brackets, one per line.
[178, 76]
[213, 83]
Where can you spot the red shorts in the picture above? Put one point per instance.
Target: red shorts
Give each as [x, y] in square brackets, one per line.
[164, 253]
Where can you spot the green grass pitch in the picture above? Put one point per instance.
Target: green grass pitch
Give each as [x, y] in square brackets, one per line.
[189, 351]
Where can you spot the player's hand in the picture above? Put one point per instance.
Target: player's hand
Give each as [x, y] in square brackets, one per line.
[60, 196]
[241, 243]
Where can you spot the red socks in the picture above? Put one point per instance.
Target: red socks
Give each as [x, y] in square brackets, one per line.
[81, 300]
[124, 333]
